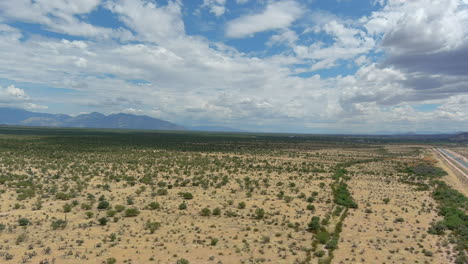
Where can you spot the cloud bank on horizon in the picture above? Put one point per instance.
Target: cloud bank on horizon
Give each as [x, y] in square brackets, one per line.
[262, 65]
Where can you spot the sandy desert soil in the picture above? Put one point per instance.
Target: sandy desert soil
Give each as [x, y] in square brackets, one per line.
[171, 199]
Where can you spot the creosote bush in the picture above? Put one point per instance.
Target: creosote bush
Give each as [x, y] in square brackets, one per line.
[132, 212]
[58, 224]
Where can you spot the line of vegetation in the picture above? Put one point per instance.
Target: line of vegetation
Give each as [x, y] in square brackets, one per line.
[453, 206]
[343, 201]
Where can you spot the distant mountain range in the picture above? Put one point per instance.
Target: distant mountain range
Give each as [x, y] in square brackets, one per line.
[12, 116]
[20, 117]
[460, 137]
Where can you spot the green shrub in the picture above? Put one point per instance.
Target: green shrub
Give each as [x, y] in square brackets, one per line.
[102, 221]
[288, 199]
[205, 212]
[217, 211]
[59, 224]
[182, 261]
[132, 212]
[186, 195]
[119, 208]
[24, 222]
[332, 244]
[62, 196]
[85, 206]
[241, 205]
[314, 224]
[182, 206]
[89, 214]
[67, 208]
[322, 237]
[214, 241]
[161, 192]
[259, 213]
[111, 213]
[130, 200]
[437, 228]
[153, 206]
[103, 205]
[152, 226]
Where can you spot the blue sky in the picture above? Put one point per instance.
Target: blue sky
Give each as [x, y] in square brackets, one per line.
[311, 66]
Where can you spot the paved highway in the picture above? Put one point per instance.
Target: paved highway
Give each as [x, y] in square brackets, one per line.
[454, 160]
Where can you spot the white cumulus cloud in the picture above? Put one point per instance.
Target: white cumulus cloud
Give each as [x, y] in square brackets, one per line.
[277, 15]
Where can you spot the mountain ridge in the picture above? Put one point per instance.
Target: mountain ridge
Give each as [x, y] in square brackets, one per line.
[14, 116]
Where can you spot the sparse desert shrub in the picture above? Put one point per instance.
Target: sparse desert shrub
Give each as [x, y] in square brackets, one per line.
[62, 196]
[102, 221]
[130, 200]
[259, 213]
[24, 221]
[437, 228]
[131, 212]
[319, 253]
[162, 192]
[152, 226]
[58, 224]
[386, 200]
[153, 206]
[241, 205]
[119, 208]
[311, 207]
[182, 261]
[111, 261]
[214, 241]
[111, 213]
[21, 238]
[217, 211]
[288, 199]
[265, 240]
[103, 205]
[89, 214]
[314, 224]
[85, 206]
[186, 195]
[182, 206]
[205, 212]
[67, 208]
[2, 227]
[332, 244]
